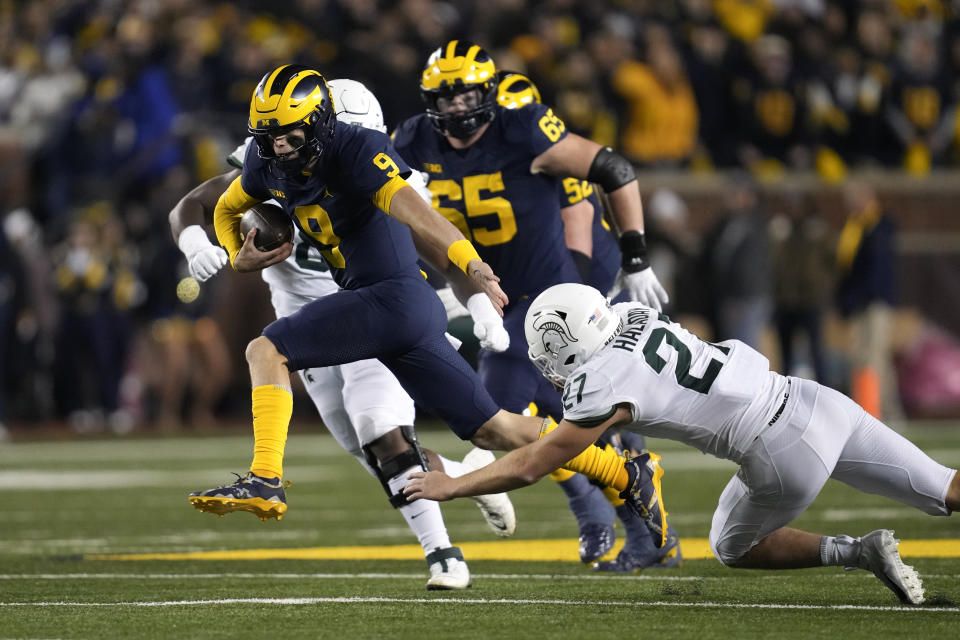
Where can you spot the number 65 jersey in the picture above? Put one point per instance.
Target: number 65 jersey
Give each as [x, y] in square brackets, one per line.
[511, 215]
[716, 397]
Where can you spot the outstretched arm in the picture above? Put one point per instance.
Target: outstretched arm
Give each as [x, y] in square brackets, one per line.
[518, 468]
[582, 158]
[444, 242]
[187, 220]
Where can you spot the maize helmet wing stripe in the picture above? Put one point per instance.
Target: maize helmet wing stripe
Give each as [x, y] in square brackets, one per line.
[288, 95]
[516, 90]
[458, 63]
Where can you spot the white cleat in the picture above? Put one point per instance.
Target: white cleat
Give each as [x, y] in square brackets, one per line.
[496, 508]
[878, 553]
[448, 570]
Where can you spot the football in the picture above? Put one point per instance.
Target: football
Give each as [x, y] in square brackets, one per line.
[273, 226]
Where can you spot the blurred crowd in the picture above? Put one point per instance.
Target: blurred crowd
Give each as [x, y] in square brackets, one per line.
[110, 110]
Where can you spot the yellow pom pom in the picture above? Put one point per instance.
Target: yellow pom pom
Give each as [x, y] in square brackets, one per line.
[188, 289]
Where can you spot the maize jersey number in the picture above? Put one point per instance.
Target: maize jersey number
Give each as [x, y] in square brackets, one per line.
[477, 223]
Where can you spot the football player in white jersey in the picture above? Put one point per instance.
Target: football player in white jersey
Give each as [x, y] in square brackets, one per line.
[361, 403]
[629, 365]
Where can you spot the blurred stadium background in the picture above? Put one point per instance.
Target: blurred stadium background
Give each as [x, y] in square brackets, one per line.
[792, 112]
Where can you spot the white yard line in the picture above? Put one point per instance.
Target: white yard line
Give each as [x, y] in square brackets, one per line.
[479, 601]
[27, 480]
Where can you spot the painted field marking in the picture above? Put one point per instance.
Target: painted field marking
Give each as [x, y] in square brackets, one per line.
[557, 550]
[643, 577]
[479, 601]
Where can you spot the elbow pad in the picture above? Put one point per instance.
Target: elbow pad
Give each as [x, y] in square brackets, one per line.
[611, 170]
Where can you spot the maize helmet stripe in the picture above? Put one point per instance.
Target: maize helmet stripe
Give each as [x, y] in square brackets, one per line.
[291, 97]
[516, 90]
[282, 98]
[458, 63]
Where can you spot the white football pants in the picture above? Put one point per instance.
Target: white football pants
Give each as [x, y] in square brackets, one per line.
[821, 434]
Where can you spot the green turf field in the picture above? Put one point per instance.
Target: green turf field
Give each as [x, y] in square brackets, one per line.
[99, 541]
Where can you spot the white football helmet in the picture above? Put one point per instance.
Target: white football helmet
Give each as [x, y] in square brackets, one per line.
[565, 326]
[355, 104]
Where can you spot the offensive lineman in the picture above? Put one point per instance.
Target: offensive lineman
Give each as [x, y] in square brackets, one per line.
[597, 258]
[343, 188]
[629, 365]
[361, 402]
[494, 172]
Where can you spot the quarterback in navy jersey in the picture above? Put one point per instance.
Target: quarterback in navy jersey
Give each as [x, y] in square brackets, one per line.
[343, 187]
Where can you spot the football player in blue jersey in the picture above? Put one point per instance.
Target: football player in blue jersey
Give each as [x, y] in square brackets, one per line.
[495, 173]
[594, 251]
[361, 403]
[344, 189]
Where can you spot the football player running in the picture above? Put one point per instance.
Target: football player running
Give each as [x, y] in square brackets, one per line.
[629, 365]
[494, 172]
[361, 403]
[343, 187]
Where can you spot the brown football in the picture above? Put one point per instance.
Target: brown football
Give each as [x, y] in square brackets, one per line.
[273, 226]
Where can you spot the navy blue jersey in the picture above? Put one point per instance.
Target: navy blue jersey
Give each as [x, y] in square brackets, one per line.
[511, 215]
[335, 207]
[605, 258]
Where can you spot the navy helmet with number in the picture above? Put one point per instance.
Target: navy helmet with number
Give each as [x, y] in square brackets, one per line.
[458, 67]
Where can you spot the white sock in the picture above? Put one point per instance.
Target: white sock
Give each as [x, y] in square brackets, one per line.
[453, 468]
[839, 551]
[422, 516]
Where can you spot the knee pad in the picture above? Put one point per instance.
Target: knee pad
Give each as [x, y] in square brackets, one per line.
[726, 553]
[387, 469]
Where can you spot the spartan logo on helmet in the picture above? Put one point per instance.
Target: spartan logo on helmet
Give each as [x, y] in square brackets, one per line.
[553, 330]
[564, 326]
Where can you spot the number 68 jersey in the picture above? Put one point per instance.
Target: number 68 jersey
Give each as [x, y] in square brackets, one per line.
[716, 397]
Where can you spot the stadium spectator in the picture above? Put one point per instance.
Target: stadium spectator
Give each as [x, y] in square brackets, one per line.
[866, 295]
[661, 125]
[804, 263]
[736, 264]
[921, 111]
[709, 58]
[771, 109]
[98, 288]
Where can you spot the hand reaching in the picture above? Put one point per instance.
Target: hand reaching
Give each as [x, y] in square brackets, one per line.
[641, 286]
[483, 276]
[432, 485]
[487, 323]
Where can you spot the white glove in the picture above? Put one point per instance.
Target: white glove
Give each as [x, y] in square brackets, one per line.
[641, 286]
[204, 258]
[487, 323]
[451, 304]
